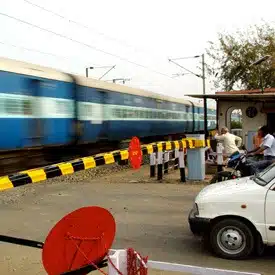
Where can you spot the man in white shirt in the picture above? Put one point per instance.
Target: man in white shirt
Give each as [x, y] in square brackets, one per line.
[267, 147]
[229, 141]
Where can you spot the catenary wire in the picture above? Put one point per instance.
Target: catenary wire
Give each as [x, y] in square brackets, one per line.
[84, 44]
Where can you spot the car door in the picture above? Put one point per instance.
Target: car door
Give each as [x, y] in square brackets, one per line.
[269, 214]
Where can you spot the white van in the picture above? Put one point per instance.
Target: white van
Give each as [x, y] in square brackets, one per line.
[237, 217]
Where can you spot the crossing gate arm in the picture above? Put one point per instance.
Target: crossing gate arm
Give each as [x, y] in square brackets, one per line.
[66, 168]
[194, 269]
[119, 259]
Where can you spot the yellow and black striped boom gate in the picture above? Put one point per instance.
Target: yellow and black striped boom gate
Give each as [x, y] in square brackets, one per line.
[65, 168]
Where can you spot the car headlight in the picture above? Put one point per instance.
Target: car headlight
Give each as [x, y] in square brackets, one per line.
[196, 209]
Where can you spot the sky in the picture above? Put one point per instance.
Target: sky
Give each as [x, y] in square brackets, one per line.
[136, 36]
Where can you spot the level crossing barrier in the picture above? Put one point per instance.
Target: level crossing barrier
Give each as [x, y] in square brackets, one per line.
[66, 168]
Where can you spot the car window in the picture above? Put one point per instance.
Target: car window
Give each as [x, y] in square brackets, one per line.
[268, 174]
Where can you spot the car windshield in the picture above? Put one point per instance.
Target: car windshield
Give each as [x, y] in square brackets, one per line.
[267, 175]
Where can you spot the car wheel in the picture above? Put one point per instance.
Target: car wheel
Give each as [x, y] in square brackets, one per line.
[232, 239]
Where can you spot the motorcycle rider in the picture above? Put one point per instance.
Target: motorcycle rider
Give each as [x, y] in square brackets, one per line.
[267, 147]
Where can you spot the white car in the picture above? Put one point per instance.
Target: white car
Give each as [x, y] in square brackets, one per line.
[237, 216]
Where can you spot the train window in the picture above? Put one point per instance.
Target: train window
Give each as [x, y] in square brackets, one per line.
[120, 113]
[123, 113]
[1, 107]
[131, 113]
[144, 114]
[12, 106]
[117, 113]
[114, 113]
[27, 107]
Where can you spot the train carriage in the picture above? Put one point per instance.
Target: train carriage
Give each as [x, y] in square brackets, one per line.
[36, 106]
[41, 107]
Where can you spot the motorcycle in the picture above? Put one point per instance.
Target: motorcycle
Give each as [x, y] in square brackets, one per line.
[238, 165]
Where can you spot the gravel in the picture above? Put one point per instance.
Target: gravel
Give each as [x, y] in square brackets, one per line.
[14, 195]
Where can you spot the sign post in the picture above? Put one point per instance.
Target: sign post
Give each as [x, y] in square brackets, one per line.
[135, 153]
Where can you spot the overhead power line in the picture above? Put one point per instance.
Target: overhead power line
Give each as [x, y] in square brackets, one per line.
[31, 50]
[83, 44]
[86, 27]
[37, 51]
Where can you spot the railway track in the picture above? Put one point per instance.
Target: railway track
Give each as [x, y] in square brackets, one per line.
[14, 162]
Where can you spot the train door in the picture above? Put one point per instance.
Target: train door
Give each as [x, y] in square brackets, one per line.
[35, 127]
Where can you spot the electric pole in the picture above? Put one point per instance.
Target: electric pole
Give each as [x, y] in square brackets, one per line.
[203, 84]
[204, 98]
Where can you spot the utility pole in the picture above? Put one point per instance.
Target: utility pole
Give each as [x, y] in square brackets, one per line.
[87, 71]
[203, 84]
[204, 98]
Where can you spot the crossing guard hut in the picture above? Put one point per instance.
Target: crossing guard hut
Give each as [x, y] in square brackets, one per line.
[257, 107]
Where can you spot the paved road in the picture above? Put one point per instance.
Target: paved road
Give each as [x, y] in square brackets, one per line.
[151, 217]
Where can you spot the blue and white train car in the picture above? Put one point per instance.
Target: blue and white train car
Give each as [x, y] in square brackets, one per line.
[42, 107]
[36, 106]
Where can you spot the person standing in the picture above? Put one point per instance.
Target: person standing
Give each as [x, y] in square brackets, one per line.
[229, 141]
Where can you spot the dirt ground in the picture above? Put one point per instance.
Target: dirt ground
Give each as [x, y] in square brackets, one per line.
[151, 217]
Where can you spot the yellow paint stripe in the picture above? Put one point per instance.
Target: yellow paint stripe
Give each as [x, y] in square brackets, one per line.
[124, 154]
[89, 162]
[66, 168]
[109, 158]
[150, 149]
[184, 143]
[177, 146]
[168, 145]
[199, 143]
[159, 145]
[5, 183]
[37, 175]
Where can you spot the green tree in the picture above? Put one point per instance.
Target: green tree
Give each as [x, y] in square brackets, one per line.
[231, 56]
[236, 125]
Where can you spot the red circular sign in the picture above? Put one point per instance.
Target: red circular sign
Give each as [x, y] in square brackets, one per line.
[82, 237]
[135, 153]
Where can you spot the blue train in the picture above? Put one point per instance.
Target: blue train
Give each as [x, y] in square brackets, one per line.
[43, 107]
